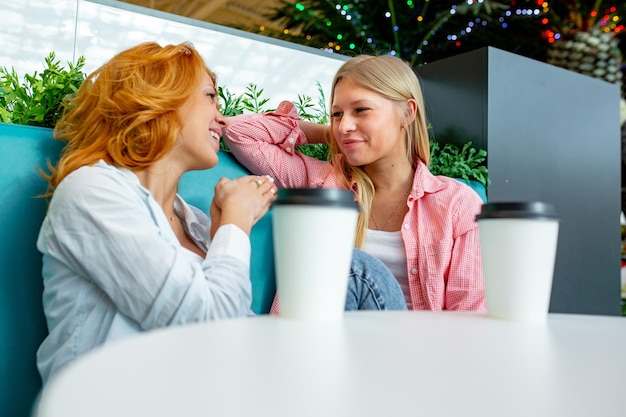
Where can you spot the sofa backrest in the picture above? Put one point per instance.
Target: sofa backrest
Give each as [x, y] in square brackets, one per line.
[24, 150]
[197, 187]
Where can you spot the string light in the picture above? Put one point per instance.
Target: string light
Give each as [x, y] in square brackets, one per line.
[607, 19]
[609, 22]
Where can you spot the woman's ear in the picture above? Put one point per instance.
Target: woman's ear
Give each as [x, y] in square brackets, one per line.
[410, 111]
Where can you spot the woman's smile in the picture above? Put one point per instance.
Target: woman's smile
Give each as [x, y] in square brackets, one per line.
[216, 136]
[351, 143]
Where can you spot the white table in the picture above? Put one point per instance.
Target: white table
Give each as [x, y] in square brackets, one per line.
[372, 364]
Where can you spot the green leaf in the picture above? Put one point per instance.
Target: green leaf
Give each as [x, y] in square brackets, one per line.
[37, 100]
[229, 104]
[466, 162]
[315, 150]
[252, 100]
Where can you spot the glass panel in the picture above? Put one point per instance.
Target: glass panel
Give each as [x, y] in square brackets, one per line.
[31, 29]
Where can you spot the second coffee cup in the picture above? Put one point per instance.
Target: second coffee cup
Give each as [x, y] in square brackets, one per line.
[314, 231]
[518, 243]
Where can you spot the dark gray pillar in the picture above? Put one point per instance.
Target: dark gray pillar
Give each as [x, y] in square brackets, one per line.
[551, 135]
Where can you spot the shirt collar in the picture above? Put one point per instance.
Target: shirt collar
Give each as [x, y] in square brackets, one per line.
[424, 182]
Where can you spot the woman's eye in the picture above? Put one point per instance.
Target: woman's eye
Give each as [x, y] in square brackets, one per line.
[212, 96]
[360, 109]
[336, 115]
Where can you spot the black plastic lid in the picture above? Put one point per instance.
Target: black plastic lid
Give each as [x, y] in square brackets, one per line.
[518, 210]
[335, 197]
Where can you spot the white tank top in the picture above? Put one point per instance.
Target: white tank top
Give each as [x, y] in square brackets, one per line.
[389, 248]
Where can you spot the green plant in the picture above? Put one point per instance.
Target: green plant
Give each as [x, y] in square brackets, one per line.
[465, 162]
[310, 111]
[252, 101]
[37, 100]
[230, 105]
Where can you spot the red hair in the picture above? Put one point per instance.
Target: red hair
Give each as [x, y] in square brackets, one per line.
[126, 111]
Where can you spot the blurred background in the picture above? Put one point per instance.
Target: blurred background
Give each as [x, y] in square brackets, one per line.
[582, 35]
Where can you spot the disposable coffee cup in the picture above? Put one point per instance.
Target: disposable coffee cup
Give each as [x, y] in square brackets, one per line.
[314, 231]
[518, 243]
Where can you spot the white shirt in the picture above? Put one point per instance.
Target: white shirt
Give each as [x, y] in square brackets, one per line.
[389, 248]
[113, 267]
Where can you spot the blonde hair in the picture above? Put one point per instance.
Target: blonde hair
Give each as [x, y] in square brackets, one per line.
[126, 111]
[394, 80]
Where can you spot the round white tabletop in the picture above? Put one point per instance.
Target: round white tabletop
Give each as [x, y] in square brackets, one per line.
[370, 364]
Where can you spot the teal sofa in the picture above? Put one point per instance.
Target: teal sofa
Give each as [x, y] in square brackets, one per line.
[22, 323]
[24, 151]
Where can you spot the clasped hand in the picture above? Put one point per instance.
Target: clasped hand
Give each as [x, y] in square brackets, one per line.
[241, 201]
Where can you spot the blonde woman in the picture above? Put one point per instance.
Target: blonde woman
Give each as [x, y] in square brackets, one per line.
[420, 226]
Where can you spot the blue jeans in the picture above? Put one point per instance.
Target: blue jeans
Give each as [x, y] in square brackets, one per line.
[372, 286]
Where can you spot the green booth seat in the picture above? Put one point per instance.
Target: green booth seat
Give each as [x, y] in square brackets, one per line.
[197, 188]
[24, 151]
[476, 186]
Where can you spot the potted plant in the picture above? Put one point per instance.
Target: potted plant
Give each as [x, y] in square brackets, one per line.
[36, 100]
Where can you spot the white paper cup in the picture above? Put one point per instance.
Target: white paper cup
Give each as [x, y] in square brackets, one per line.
[314, 231]
[518, 243]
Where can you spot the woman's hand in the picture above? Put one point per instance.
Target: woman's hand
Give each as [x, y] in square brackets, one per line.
[242, 201]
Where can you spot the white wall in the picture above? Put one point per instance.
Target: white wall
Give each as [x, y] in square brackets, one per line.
[31, 29]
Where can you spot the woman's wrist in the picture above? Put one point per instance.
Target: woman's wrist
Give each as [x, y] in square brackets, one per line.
[240, 217]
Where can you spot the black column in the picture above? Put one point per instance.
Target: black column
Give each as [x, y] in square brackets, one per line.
[551, 135]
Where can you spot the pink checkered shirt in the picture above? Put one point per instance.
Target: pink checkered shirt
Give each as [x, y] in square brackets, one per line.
[439, 231]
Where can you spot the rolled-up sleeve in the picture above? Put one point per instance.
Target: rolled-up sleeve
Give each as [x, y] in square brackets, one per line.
[266, 145]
